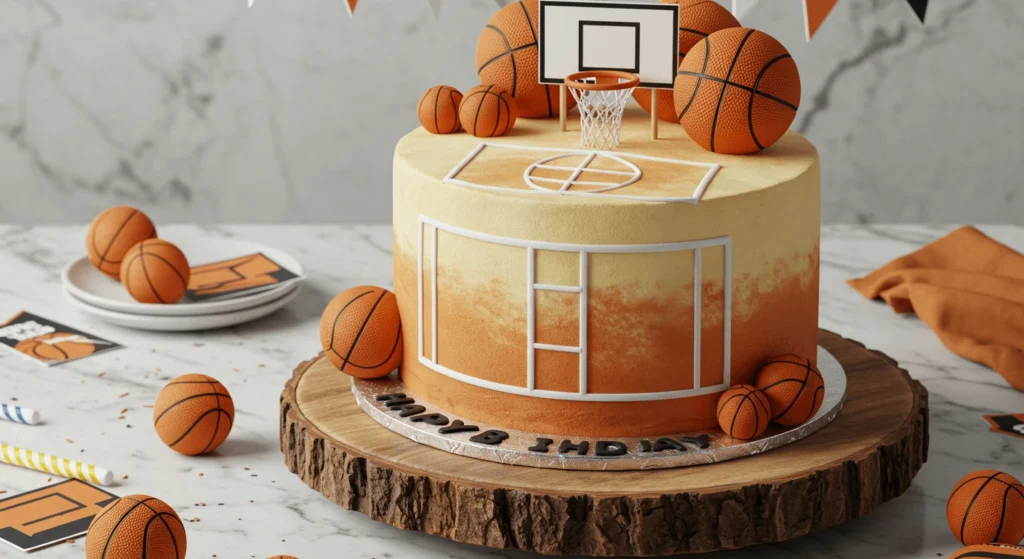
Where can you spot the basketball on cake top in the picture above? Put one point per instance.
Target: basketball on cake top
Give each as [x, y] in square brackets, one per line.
[438, 109]
[697, 19]
[737, 91]
[488, 111]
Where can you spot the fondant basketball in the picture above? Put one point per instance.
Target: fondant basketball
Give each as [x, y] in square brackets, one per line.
[112, 233]
[57, 346]
[987, 506]
[487, 111]
[737, 91]
[743, 412]
[697, 19]
[507, 57]
[193, 414]
[361, 333]
[794, 388]
[438, 110]
[136, 526]
[155, 271]
[988, 551]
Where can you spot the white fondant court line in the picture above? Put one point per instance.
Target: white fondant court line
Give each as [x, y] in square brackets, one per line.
[419, 285]
[531, 279]
[562, 288]
[697, 322]
[570, 169]
[433, 298]
[579, 171]
[531, 287]
[712, 170]
[584, 302]
[575, 182]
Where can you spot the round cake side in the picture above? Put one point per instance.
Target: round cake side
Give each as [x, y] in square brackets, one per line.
[563, 310]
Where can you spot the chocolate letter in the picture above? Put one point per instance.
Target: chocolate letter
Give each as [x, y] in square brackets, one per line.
[489, 437]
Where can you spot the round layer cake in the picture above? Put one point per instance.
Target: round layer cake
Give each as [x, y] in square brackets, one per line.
[552, 289]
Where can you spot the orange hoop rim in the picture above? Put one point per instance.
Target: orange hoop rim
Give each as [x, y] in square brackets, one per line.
[573, 80]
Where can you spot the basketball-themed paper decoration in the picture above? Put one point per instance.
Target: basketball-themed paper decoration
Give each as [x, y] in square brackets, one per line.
[743, 412]
[136, 526]
[193, 414]
[57, 346]
[155, 271]
[794, 387]
[487, 111]
[112, 233]
[988, 551]
[507, 57]
[987, 506]
[815, 12]
[438, 109]
[697, 19]
[361, 332]
[737, 91]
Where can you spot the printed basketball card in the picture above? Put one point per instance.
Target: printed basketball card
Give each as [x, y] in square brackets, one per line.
[50, 342]
[244, 275]
[50, 514]
[1007, 424]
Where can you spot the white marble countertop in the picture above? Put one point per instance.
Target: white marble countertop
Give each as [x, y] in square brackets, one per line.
[255, 508]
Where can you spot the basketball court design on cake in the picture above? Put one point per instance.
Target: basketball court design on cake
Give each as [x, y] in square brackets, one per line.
[429, 227]
[581, 172]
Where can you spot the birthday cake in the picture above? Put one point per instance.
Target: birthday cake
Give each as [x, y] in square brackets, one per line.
[606, 278]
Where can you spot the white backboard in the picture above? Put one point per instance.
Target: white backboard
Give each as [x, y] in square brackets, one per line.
[639, 38]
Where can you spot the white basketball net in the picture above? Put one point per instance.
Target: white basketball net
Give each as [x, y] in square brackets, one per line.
[601, 115]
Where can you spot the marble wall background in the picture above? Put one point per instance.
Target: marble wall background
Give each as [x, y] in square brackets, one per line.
[206, 111]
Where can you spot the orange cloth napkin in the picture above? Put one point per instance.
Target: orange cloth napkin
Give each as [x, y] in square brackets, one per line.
[969, 289]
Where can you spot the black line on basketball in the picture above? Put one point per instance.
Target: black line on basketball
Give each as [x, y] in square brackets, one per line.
[419, 106]
[696, 88]
[393, 349]
[497, 119]
[334, 324]
[455, 107]
[165, 261]
[508, 109]
[117, 527]
[170, 533]
[173, 382]
[503, 55]
[694, 31]
[197, 422]
[803, 384]
[814, 402]
[967, 511]
[726, 402]
[216, 426]
[768, 96]
[359, 334]
[103, 257]
[508, 47]
[750, 106]
[437, 104]
[185, 399]
[145, 273]
[725, 87]
[480, 105]
[1002, 515]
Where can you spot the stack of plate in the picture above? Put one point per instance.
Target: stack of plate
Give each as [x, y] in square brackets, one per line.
[106, 299]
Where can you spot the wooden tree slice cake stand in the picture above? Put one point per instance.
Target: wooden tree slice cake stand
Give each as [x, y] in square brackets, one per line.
[866, 456]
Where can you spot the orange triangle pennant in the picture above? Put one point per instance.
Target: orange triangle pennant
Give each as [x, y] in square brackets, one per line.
[815, 12]
[351, 4]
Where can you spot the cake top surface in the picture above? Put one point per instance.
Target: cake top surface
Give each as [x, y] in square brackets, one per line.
[536, 158]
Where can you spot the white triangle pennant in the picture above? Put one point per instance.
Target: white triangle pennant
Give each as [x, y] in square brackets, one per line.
[741, 8]
[435, 5]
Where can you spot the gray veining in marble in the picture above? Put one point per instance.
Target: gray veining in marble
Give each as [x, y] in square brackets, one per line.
[255, 360]
[207, 112]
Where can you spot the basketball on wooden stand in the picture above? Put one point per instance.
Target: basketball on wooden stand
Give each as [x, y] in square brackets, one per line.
[361, 332]
[487, 111]
[112, 233]
[743, 412]
[794, 387]
[156, 272]
[737, 91]
[697, 19]
[136, 526]
[986, 507]
[438, 109]
[507, 57]
[193, 414]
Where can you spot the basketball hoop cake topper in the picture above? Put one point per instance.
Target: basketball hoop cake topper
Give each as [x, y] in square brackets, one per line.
[625, 312]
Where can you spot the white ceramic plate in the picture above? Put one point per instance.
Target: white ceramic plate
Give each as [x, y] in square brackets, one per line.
[87, 284]
[184, 323]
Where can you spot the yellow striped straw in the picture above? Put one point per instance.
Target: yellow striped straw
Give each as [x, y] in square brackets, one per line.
[54, 465]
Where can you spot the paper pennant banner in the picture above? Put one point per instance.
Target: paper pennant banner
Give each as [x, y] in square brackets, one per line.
[815, 12]
[351, 5]
[436, 6]
[741, 8]
[919, 7]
